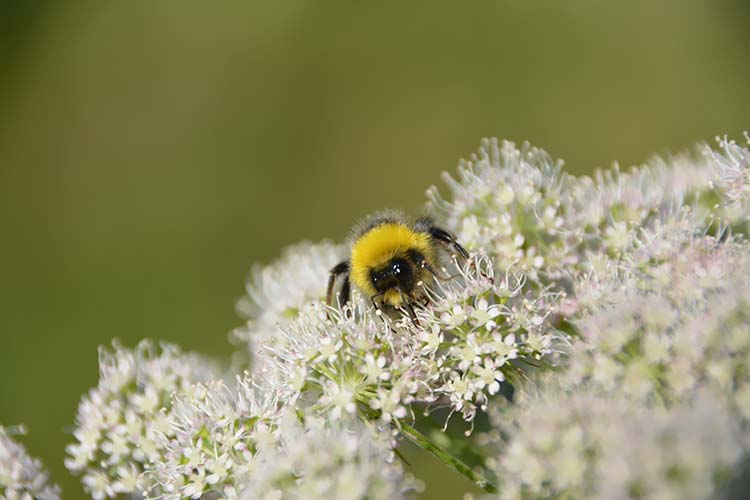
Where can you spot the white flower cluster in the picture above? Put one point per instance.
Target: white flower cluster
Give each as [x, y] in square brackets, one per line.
[119, 422]
[507, 202]
[653, 398]
[519, 207]
[209, 443]
[674, 317]
[732, 179]
[278, 292]
[477, 332]
[584, 444]
[336, 460]
[21, 476]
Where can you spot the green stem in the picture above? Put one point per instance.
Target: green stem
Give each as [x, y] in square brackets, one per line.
[454, 463]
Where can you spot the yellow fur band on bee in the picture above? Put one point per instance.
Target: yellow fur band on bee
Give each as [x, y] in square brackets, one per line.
[379, 245]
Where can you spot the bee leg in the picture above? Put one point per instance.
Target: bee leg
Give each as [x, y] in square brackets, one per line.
[447, 239]
[409, 307]
[345, 293]
[338, 270]
[422, 300]
[412, 313]
[421, 262]
[482, 273]
[438, 274]
[374, 303]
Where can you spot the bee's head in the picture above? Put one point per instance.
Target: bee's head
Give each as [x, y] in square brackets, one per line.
[397, 273]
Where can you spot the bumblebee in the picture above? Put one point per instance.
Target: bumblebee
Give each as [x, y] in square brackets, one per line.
[390, 258]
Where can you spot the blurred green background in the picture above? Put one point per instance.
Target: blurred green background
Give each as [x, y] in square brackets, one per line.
[150, 152]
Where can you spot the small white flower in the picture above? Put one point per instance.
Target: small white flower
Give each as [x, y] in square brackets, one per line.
[374, 368]
[389, 405]
[455, 316]
[488, 376]
[505, 195]
[98, 484]
[616, 236]
[340, 399]
[194, 488]
[484, 314]
[128, 479]
[504, 347]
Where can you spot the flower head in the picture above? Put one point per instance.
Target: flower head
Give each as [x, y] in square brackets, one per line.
[670, 319]
[337, 460]
[210, 440]
[518, 206]
[585, 444]
[118, 422]
[732, 179]
[507, 202]
[278, 292]
[21, 476]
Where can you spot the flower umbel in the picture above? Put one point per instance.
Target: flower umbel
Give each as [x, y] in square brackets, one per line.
[338, 460]
[119, 421]
[21, 476]
[277, 293]
[210, 440]
[581, 444]
[673, 318]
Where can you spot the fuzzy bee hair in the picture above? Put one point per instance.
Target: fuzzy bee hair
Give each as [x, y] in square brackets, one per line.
[390, 258]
